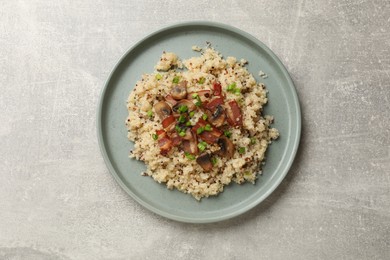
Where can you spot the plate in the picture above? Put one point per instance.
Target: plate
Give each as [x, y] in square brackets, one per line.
[141, 58]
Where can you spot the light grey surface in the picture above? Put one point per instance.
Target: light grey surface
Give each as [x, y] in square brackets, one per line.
[58, 200]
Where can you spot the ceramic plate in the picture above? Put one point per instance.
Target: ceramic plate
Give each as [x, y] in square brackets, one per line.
[229, 41]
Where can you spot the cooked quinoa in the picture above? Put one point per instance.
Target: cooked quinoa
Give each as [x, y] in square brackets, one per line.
[200, 128]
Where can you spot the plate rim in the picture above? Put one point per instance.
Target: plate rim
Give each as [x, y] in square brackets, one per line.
[296, 138]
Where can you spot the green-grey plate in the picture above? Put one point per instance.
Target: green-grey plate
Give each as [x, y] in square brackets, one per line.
[236, 199]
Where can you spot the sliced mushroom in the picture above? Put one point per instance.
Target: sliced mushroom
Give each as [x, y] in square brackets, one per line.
[204, 160]
[226, 147]
[162, 109]
[184, 102]
[217, 117]
[179, 91]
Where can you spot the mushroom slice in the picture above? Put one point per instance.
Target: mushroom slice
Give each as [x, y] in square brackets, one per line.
[162, 109]
[204, 160]
[226, 147]
[184, 102]
[217, 117]
[179, 91]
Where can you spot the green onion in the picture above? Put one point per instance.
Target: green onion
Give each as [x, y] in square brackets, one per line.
[195, 95]
[189, 156]
[182, 133]
[176, 79]
[253, 140]
[208, 127]
[155, 137]
[201, 80]
[241, 150]
[183, 109]
[204, 117]
[158, 76]
[150, 113]
[202, 146]
[214, 161]
[177, 128]
[192, 113]
[227, 133]
[182, 119]
[200, 130]
[231, 87]
[199, 101]
[188, 123]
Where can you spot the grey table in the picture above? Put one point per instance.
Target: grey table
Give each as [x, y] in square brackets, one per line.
[58, 200]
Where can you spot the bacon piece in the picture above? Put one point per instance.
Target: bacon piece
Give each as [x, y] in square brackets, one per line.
[165, 145]
[217, 89]
[167, 122]
[176, 139]
[170, 100]
[209, 137]
[214, 103]
[233, 112]
[190, 146]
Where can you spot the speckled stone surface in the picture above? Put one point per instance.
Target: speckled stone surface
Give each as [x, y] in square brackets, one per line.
[58, 201]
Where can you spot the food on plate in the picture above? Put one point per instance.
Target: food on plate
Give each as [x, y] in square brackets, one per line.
[198, 124]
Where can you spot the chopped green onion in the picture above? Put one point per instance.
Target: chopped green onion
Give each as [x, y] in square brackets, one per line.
[155, 137]
[177, 128]
[200, 130]
[192, 113]
[182, 133]
[214, 161]
[183, 109]
[195, 95]
[208, 127]
[204, 117]
[201, 80]
[158, 76]
[199, 101]
[202, 146]
[241, 150]
[253, 140]
[188, 123]
[189, 156]
[176, 79]
[231, 87]
[182, 119]
[227, 133]
[150, 113]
